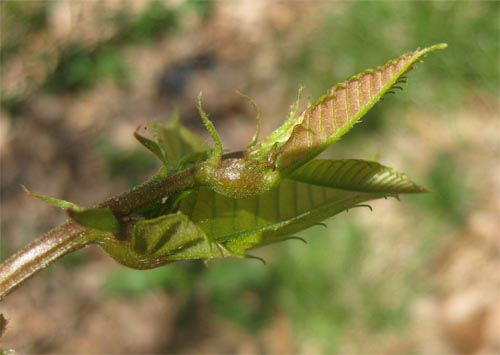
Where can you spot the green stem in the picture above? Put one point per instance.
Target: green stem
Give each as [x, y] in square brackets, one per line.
[53, 245]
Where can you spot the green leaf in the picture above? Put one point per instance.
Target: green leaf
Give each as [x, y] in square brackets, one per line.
[336, 112]
[65, 205]
[281, 134]
[141, 135]
[101, 219]
[241, 224]
[175, 145]
[326, 189]
[355, 175]
[172, 237]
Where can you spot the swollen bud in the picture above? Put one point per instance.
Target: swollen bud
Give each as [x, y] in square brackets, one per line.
[238, 177]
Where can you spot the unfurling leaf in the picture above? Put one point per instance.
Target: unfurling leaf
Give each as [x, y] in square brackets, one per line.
[175, 145]
[242, 224]
[173, 237]
[65, 205]
[336, 112]
[141, 134]
[101, 219]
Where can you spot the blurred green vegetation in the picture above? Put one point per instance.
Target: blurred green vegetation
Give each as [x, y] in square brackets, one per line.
[131, 164]
[18, 23]
[12, 104]
[80, 68]
[367, 34]
[453, 191]
[154, 20]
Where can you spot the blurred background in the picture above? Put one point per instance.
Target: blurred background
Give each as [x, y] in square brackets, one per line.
[416, 276]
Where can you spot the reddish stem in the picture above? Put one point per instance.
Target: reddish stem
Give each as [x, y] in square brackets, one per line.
[53, 245]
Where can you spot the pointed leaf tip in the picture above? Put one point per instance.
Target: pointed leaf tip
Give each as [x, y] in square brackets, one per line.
[356, 175]
[336, 112]
[141, 134]
[65, 205]
[438, 46]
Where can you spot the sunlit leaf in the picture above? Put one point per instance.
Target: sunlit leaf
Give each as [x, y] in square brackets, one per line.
[242, 224]
[334, 114]
[355, 175]
[65, 205]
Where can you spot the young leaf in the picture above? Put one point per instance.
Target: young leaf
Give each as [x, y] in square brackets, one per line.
[162, 240]
[173, 236]
[178, 142]
[355, 175]
[336, 112]
[174, 144]
[65, 205]
[329, 188]
[241, 224]
[141, 134]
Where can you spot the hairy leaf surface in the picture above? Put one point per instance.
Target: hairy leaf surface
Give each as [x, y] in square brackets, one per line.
[173, 237]
[334, 114]
[242, 224]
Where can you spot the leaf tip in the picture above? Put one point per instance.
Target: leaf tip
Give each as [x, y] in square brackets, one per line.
[26, 190]
[425, 190]
[433, 48]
